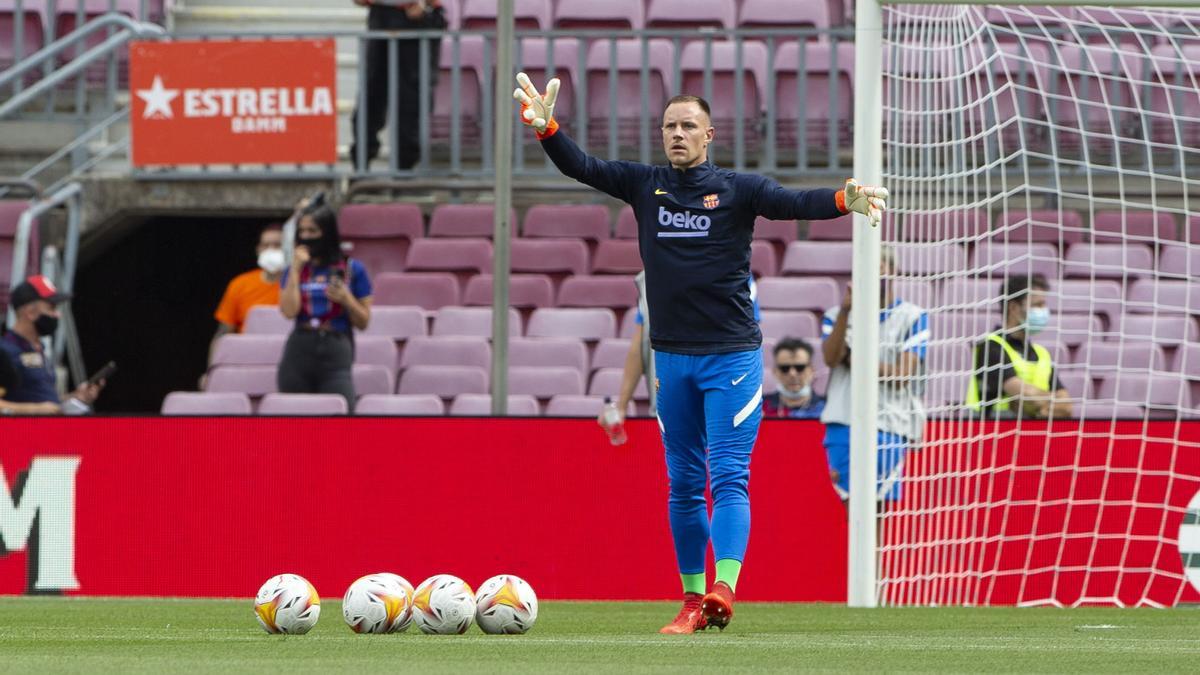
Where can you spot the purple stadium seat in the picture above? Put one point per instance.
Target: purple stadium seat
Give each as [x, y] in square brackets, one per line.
[628, 322]
[33, 34]
[450, 255]
[524, 291]
[779, 324]
[961, 225]
[376, 350]
[428, 290]
[480, 405]
[1164, 297]
[998, 259]
[303, 404]
[779, 233]
[607, 382]
[379, 234]
[558, 352]
[763, 261]
[808, 98]
[1085, 296]
[444, 381]
[544, 381]
[694, 61]
[1186, 361]
[10, 214]
[1179, 106]
[821, 258]
[1008, 19]
[1168, 331]
[373, 379]
[969, 327]
[69, 19]
[534, 59]
[575, 221]
[447, 351]
[947, 389]
[470, 66]
[784, 14]
[691, 15]
[601, 291]
[1132, 226]
[206, 403]
[250, 380]
[397, 323]
[971, 294]
[1108, 261]
[399, 404]
[835, 229]
[570, 405]
[1126, 356]
[1071, 330]
[472, 321]
[1178, 261]
[817, 294]
[1105, 410]
[611, 353]
[248, 350]
[466, 220]
[1077, 383]
[627, 224]
[617, 256]
[929, 259]
[1095, 87]
[527, 14]
[266, 320]
[916, 291]
[660, 58]
[589, 14]
[549, 256]
[585, 324]
[1144, 389]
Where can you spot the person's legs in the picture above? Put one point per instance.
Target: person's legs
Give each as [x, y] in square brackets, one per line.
[336, 363]
[890, 467]
[375, 97]
[407, 133]
[293, 373]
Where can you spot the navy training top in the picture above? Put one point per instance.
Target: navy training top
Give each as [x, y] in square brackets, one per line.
[694, 232]
[37, 381]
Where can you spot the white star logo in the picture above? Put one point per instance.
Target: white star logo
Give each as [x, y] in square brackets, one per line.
[158, 100]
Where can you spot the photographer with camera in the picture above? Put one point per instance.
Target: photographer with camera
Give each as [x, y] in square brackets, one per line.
[328, 295]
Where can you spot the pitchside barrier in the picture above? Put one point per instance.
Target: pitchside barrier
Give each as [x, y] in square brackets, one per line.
[212, 507]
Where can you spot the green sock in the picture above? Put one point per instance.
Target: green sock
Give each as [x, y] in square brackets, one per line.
[693, 583]
[728, 570]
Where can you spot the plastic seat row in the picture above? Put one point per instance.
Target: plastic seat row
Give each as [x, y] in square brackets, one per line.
[236, 403]
[637, 14]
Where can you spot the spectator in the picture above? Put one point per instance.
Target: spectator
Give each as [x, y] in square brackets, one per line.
[405, 72]
[903, 339]
[10, 379]
[1005, 378]
[329, 296]
[35, 306]
[794, 397]
[256, 287]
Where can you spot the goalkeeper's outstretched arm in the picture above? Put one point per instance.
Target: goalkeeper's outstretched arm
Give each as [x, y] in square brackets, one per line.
[776, 202]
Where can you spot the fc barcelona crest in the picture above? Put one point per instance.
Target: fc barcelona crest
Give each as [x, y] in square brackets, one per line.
[711, 201]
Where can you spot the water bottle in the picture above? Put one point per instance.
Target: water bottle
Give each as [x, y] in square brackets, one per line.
[612, 422]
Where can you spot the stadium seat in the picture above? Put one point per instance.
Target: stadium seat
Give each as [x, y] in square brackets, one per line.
[1144, 389]
[427, 290]
[33, 34]
[525, 291]
[1071, 330]
[1102, 357]
[462, 256]
[472, 321]
[1007, 21]
[592, 15]
[1186, 361]
[558, 257]
[778, 324]
[718, 60]
[376, 350]
[968, 327]
[206, 403]
[253, 381]
[467, 220]
[70, 17]
[1115, 227]
[397, 323]
[576, 221]
[468, 116]
[947, 389]
[763, 261]
[611, 353]
[834, 229]
[691, 15]
[444, 381]
[617, 256]
[248, 350]
[1107, 410]
[607, 382]
[1178, 107]
[585, 324]
[614, 292]
[534, 59]
[1168, 331]
[957, 225]
[1164, 297]
[628, 67]
[971, 294]
[10, 215]
[1086, 296]
[379, 234]
[1181, 262]
[453, 350]
[627, 224]
[480, 405]
[571, 405]
[785, 14]
[818, 294]
[399, 404]
[266, 320]
[557, 352]
[1092, 92]
[544, 381]
[779, 233]
[303, 404]
[998, 259]
[1108, 261]
[917, 291]
[372, 378]
[819, 258]
[802, 92]
[527, 14]
[628, 321]
[1077, 382]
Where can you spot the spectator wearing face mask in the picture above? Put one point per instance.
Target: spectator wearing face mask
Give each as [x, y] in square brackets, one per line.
[35, 305]
[794, 397]
[258, 286]
[10, 379]
[328, 295]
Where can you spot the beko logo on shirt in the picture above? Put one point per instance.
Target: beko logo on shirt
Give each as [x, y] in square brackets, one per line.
[696, 225]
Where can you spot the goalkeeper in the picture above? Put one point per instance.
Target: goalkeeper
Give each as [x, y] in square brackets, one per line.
[695, 222]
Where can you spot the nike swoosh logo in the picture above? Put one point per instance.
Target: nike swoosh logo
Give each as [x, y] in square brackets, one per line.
[735, 382]
[660, 192]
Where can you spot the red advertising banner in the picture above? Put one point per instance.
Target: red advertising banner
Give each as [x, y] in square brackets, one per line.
[233, 102]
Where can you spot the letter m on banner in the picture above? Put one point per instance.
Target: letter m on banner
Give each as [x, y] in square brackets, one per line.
[38, 516]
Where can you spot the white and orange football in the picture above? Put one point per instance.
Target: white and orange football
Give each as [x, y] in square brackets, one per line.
[287, 603]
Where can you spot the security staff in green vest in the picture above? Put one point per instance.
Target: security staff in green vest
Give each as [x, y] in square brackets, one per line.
[1010, 369]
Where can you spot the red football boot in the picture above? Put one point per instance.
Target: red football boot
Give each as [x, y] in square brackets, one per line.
[717, 606]
[689, 620]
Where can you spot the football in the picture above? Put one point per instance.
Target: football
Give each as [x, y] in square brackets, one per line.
[506, 604]
[405, 619]
[377, 603]
[287, 603]
[443, 605]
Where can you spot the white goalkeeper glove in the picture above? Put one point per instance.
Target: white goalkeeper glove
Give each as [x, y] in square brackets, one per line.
[537, 110]
[869, 201]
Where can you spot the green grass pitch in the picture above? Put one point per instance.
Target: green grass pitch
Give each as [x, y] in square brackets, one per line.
[222, 636]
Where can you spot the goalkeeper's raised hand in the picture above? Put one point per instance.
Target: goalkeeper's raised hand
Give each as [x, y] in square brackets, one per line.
[537, 110]
[869, 201]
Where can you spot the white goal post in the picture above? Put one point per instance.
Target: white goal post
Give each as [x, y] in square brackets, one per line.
[1018, 140]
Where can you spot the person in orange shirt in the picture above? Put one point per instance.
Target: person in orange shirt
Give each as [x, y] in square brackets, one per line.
[256, 287]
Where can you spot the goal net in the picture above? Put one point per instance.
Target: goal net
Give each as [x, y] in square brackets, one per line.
[1062, 142]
